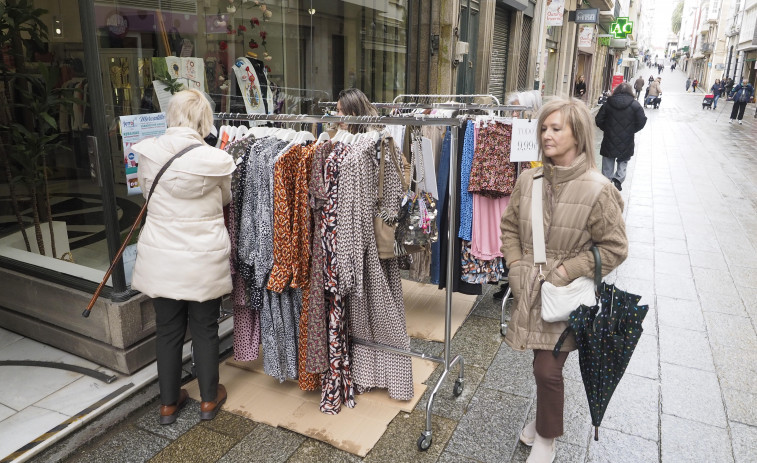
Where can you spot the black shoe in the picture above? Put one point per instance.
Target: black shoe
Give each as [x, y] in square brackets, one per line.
[617, 184]
[501, 293]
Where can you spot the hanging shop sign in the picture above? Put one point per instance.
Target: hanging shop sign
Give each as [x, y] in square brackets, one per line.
[133, 130]
[584, 16]
[617, 79]
[585, 35]
[621, 28]
[554, 13]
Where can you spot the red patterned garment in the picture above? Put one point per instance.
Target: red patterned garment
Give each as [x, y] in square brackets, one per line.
[492, 173]
[284, 176]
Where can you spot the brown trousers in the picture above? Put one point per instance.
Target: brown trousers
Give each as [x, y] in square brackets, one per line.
[550, 392]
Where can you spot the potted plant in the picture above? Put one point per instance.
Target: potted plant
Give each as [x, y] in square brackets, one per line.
[32, 134]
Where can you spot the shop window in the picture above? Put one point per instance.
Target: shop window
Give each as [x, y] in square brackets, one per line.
[281, 56]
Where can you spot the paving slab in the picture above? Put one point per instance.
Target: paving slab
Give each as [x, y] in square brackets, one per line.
[477, 341]
[198, 445]
[687, 441]
[314, 451]
[645, 360]
[122, 444]
[264, 443]
[730, 330]
[445, 403]
[618, 447]
[680, 313]
[728, 303]
[744, 440]
[741, 406]
[399, 443]
[634, 408]
[512, 372]
[489, 430]
[703, 398]
[686, 348]
[671, 263]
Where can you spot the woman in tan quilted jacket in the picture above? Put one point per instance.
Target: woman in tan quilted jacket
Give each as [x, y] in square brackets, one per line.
[581, 208]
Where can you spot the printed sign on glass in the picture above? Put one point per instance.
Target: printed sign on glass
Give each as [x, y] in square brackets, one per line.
[133, 130]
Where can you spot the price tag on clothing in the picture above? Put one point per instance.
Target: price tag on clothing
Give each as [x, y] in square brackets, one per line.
[524, 144]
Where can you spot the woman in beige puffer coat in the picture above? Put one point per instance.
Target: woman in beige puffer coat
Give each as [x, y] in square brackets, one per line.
[183, 249]
[581, 208]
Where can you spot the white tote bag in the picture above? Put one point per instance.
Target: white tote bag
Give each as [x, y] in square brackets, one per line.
[557, 302]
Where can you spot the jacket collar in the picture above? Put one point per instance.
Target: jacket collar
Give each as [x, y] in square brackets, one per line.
[558, 174]
[185, 132]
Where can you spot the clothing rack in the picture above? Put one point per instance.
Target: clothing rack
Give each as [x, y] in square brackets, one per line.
[448, 105]
[415, 119]
[424, 441]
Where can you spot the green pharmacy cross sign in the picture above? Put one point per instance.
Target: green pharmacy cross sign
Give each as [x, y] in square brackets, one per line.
[621, 28]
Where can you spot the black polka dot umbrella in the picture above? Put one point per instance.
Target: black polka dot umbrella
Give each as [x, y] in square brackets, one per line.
[606, 336]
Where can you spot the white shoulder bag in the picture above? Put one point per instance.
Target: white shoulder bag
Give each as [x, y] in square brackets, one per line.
[557, 302]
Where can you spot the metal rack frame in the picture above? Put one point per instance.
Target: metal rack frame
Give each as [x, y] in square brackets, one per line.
[424, 441]
[413, 119]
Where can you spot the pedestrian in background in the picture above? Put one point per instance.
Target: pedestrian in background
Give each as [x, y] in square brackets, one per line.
[580, 89]
[717, 89]
[183, 250]
[620, 118]
[694, 85]
[581, 209]
[728, 86]
[638, 85]
[688, 83]
[655, 90]
[651, 79]
[742, 94]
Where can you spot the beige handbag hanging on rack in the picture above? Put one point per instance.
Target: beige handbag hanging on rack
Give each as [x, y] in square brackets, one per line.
[384, 222]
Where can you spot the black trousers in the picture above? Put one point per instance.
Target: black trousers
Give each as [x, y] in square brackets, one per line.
[738, 110]
[171, 318]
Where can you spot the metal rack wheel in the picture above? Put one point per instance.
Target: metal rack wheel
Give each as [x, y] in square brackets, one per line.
[424, 442]
[458, 388]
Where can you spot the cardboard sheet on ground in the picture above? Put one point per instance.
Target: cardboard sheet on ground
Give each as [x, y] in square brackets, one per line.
[424, 310]
[257, 396]
[263, 399]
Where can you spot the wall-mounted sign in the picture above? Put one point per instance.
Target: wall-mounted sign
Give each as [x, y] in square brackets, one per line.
[584, 16]
[554, 13]
[621, 28]
[585, 35]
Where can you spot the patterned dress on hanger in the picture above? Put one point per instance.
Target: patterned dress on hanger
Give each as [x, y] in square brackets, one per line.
[337, 388]
[375, 305]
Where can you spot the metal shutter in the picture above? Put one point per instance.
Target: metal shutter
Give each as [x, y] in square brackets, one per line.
[525, 47]
[498, 67]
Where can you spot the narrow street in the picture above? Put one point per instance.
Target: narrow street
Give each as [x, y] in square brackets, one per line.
[690, 392]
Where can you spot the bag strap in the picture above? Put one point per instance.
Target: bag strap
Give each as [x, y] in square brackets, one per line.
[163, 170]
[537, 222]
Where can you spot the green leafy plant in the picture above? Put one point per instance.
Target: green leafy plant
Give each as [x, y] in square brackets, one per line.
[172, 85]
[33, 136]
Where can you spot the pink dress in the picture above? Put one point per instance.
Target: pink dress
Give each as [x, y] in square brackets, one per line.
[487, 213]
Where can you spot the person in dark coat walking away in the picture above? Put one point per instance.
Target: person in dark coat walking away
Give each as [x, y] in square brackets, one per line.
[728, 86]
[717, 89]
[651, 79]
[580, 87]
[620, 118]
[742, 94]
[688, 83]
[638, 85]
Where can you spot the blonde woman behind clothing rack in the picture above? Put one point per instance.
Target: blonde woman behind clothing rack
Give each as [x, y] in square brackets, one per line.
[581, 208]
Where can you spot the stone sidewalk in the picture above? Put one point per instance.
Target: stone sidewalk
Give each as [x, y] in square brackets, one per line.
[689, 394]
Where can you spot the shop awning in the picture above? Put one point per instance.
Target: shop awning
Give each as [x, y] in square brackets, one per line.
[519, 5]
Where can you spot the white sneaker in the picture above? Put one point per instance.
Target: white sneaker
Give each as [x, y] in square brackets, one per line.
[730, 121]
[543, 450]
[528, 434]
[741, 122]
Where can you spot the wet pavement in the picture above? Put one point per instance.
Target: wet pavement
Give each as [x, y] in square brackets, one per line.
[689, 394]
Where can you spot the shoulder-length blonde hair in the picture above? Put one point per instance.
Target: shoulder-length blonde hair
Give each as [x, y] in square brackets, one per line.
[575, 114]
[190, 108]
